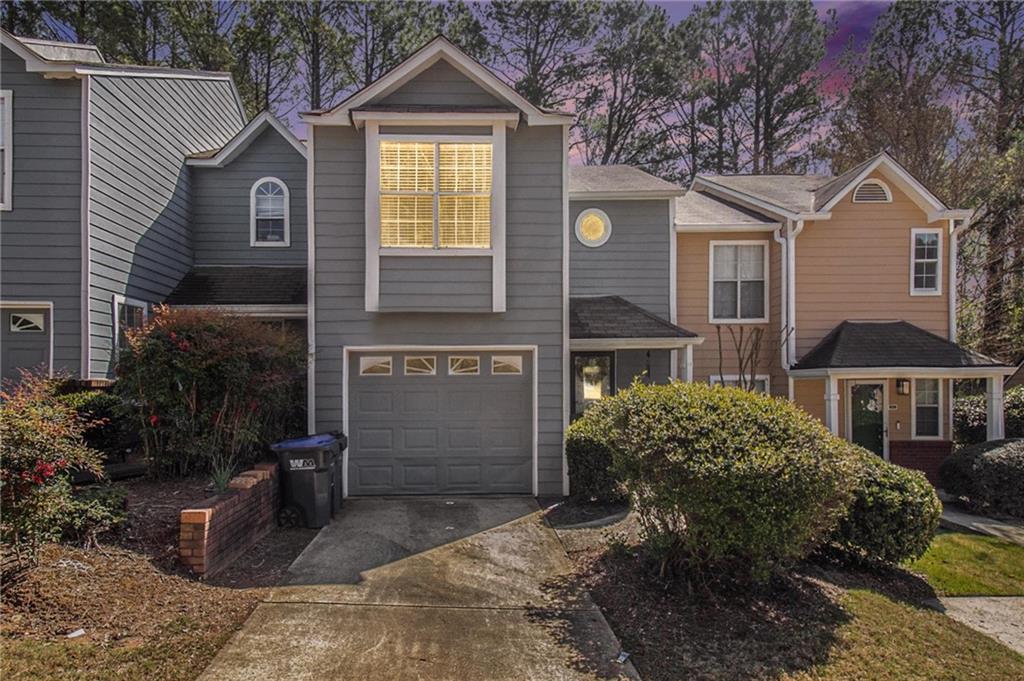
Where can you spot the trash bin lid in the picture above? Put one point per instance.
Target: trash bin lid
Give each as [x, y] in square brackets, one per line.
[308, 442]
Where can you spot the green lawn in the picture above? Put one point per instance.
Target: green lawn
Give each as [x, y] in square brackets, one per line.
[962, 564]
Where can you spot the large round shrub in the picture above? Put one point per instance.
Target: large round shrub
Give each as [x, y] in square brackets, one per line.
[894, 513]
[989, 476]
[589, 458]
[726, 482]
[970, 416]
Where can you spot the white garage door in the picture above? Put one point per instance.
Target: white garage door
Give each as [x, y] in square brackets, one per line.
[440, 423]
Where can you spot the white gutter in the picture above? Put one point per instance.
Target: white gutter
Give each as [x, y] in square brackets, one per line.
[633, 343]
[954, 234]
[784, 303]
[791, 236]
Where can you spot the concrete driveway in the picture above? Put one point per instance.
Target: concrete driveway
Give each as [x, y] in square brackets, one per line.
[427, 588]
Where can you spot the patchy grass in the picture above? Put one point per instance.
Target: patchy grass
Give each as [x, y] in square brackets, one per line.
[816, 624]
[144, 615]
[963, 564]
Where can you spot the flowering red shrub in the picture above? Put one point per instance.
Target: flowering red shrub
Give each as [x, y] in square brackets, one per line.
[208, 390]
[41, 442]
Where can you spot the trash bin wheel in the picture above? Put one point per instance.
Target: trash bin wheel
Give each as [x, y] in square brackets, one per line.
[289, 516]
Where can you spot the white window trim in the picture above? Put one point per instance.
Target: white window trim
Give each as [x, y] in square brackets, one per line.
[871, 180]
[287, 215]
[405, 365]
[511, 360]
[937, 291]
[366, 361]
[718, 379]
[913, 409]
[711, 281]
[8, 145]
[119, 299]
[464, 373]
[604, 217]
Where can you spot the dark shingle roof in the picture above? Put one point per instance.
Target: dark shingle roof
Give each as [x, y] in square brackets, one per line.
[853, 345]
[241, 286]
[616, 317]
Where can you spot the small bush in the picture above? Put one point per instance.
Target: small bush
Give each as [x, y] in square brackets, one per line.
[94, 510]
[893, 517]
[970, 416]
[725, 482]
[209, 391]
[989, 476]
[111, 433]
[41, 444]
[590, 459]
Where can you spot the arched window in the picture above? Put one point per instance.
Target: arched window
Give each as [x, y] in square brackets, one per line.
[269, 223]
[872, 191]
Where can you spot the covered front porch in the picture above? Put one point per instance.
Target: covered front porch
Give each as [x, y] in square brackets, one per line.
[888, 387]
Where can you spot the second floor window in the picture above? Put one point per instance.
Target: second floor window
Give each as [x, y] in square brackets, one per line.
[739, 282]
[269, 213]
[435, 195]
[925, 272]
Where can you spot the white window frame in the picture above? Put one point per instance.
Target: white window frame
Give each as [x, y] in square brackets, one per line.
[913, 409]
[119, 300]
[720, 379]
[253, 242]
[871, 180]
[711, 282]
[7, 141]
[451, 371]
[604, 218]
[366, 361]
[937, 291]
[515, 361]
[431, 358]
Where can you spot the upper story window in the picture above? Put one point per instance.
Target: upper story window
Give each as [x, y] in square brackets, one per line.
[269, 223]
[6, 145]
[435, 194]
[872, 191]
[739, 282]
[925, 262]
[593, 227]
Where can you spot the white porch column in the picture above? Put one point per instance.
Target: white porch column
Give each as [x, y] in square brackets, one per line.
[994, 402]
[832, 404]
[688, 368]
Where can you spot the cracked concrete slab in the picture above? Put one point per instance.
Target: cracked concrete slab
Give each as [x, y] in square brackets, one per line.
[464, 588]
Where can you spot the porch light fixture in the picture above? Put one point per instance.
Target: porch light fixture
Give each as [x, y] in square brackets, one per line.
[902, 386]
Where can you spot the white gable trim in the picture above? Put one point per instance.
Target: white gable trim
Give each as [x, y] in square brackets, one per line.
[437, 49]
[244, 138]
[901, 178]
[752, 201]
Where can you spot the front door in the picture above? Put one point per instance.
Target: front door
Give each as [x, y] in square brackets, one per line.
[593, 378]
[867, 416]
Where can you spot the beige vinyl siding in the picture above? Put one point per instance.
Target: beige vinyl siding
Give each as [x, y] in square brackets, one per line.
[692, 304]
[857, 266]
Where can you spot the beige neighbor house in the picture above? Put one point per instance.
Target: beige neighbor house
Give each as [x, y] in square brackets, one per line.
[838, 293]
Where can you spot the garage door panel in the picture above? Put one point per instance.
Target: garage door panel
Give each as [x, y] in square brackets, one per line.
[423, 434]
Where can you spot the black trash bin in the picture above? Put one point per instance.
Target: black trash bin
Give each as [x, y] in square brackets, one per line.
[309, 477]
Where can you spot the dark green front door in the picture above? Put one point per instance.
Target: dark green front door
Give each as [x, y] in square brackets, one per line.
[867, 416]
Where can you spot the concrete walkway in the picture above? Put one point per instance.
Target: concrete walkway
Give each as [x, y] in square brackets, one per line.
[1000, 617]
[427, 588]
[956, 519]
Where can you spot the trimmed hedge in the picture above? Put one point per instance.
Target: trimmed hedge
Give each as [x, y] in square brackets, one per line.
[590, 459]
[989, 476]
[726, 483]
[894, 514]
[970, 415]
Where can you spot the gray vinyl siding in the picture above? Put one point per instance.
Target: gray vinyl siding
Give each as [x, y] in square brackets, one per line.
[441, 85]
[633, 263]
[220, 205]
[436, 283]
[534, 278]
[141, 129]
[41, 237]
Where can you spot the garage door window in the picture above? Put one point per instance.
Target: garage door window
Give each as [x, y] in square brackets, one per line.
[463, 366]
[420, 366]
[27, 323]
[506, 364]
[374, 366]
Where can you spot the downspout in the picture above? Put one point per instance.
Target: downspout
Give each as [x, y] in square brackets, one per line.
[784, 303]
[954, 234]
[791, 236]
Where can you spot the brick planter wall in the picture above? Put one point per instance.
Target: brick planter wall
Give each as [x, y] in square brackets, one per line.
[215, 532]
[922, 455]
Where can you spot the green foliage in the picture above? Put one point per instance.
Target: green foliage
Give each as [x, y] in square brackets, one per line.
[726, 483]
[41, 444]
[970, 416]
[110, 432]
[989, 476]
[92, 511]
[589, 458]
[893, 517]
[208, 391]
